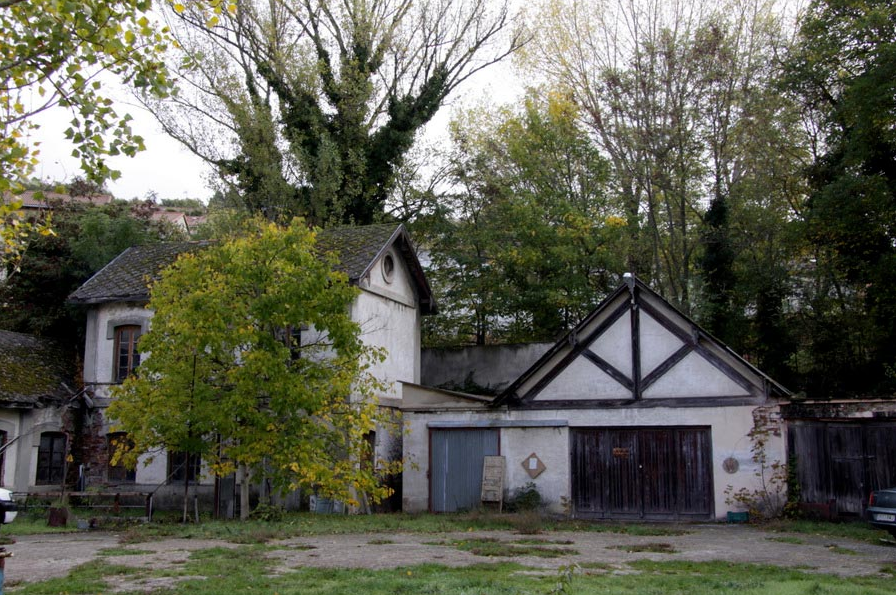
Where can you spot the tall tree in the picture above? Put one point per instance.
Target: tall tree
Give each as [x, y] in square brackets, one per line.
[229, 374]
[672, 92]
[320, 101]
[532, 241]
[844, 70]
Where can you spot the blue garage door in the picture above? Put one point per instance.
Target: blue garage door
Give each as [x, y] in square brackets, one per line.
[456, 467]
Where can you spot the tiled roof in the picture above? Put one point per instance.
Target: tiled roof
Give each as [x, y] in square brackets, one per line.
[357, 247]
[33, 371]
[127, 277]
[30, 202]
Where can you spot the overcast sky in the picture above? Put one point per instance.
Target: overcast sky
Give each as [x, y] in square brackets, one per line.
[171, 171]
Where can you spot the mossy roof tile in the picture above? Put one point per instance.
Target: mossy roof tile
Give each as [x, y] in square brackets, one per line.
[34, 371]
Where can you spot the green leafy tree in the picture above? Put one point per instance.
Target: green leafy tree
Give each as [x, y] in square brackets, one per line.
[320, 101]
[228, 375]
[85, 238]
[843, 69]
[51, 54]
[532, 242]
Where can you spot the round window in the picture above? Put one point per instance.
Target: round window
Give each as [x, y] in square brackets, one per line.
[388, 268]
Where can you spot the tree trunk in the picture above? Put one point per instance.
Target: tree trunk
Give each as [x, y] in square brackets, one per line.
[187, 488]
[244, 493]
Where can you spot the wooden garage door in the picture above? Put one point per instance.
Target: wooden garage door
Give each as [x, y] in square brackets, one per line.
[653, 473]
[842, 461]
[455, 481]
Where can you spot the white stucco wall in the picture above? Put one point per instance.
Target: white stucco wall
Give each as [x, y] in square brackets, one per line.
[99, 344]
[11, 423]
[389, 318]
[729, 427]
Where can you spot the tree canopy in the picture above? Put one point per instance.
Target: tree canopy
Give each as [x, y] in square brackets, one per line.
[53, 53]
[843, 70]
[253, 360]
[317, 101]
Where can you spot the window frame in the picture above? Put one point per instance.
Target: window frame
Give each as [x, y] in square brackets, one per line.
[181, 459]
[54, 473]
[132, 356]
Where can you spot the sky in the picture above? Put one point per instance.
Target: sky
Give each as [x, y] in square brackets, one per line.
[171, 171]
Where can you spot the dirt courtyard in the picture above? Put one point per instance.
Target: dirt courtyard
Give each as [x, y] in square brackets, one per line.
[39, 557]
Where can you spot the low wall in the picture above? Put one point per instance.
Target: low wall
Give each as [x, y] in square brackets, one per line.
[481, 369]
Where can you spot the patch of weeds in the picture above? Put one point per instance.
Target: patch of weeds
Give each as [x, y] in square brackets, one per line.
[121, 551]
[841, 550]
[380, 542]
[858, 531]
[787, 539]
[534, 541]
[565, 574]
[528, 522]
[595, 566]
[889, 569]
[496, 548]
[656, 548]
[85, 579]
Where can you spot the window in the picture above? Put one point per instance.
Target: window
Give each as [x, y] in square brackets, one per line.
[388, 268]
[181, 463]
[51, 458]
[118, 473]
[126, 356]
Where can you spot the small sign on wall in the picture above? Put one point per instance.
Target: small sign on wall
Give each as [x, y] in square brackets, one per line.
[533, 465]
[493, 480]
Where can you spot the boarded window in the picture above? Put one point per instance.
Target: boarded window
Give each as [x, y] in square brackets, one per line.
[183, 466]
[51, 458]
[118, 473]
[126, 356]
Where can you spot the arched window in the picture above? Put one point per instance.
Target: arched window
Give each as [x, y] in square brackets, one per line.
[51, 458]
[126, 356]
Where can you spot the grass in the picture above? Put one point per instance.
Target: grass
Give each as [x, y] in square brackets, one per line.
[498, 548]
[787, 539]
[248, 570]
[855, 530]
[122, 551]
[655, 548]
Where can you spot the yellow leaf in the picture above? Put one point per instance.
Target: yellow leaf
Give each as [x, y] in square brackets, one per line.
[178, 8]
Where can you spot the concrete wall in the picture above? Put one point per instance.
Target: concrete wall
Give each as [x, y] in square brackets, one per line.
[729, 429]
[486, 369]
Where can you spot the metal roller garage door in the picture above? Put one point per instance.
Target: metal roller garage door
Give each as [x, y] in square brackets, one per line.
[455, 481]
[652, 473]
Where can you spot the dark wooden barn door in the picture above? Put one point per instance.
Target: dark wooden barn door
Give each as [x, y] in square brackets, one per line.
[842, 461]
[642, 472]
[456, 456]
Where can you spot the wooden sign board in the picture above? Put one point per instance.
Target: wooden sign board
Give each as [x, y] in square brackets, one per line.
[493, 480]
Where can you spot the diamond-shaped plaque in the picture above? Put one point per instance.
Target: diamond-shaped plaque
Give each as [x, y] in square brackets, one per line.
[533, 465]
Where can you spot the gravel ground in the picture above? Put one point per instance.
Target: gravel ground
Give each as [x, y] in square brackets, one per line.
[38, 557]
